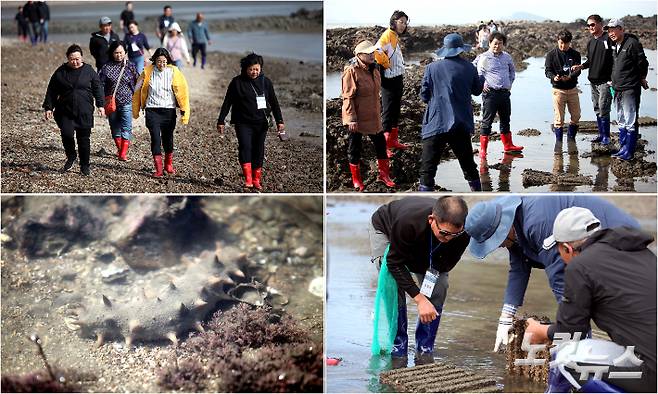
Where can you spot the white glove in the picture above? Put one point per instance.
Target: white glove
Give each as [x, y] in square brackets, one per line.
[504, 325]
[502, 334]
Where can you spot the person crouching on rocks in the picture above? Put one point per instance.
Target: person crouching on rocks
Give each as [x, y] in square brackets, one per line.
[361, 109]
[118, 77]
[250, 97]
[160, 89]
[70, 97]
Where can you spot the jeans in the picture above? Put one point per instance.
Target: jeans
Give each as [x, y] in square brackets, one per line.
[601, 99]
[562, 97]
[251, 143]
[121, 123]
[69, 133]
[178, 63]
[34, 32]
[355, 143]
[139, 63]
[460, 142]
[195, 49]
[161, 123]
[496, 101]
[627, 103]
[43, 33]
[391, 100]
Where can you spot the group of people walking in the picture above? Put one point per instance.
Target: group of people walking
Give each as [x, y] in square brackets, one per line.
[122, 87]
[618, 68]
[32, 22]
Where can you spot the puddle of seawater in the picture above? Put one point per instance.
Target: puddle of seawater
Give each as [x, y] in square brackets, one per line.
[532, 108]
[468, 325]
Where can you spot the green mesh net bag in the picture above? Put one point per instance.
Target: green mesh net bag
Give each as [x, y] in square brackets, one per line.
[385, 324]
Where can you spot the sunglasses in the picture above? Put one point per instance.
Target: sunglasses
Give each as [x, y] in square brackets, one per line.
[591, 25]
[447, 233]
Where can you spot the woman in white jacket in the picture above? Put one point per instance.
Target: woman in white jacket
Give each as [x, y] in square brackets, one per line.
[176, 44]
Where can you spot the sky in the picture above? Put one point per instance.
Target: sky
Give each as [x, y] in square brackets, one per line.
[441, 12]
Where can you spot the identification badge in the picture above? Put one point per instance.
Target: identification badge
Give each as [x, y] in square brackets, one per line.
[429, 281]
[165, 23]
[134, 47]
[260, 101]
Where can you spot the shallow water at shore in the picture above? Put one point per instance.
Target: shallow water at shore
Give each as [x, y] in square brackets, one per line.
[468, 325]
[532, 108]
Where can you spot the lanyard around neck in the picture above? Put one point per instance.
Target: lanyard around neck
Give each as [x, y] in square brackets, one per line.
[432, 248]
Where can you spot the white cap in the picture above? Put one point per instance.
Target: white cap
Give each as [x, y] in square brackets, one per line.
[614, 22]
[572, 224]
[175, 26]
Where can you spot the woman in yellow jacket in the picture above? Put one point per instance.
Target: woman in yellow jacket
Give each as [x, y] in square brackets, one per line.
[160, 89]
[389, 56]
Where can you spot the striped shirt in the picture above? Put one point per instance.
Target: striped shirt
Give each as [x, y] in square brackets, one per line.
[389, 44]
[498, 70]
[161, 94]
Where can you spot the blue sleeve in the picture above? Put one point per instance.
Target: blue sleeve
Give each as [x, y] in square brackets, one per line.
[512, 70]
[146, 42]
[205, 30]
[478, 82]
[517, 279]
[426, 86]
[554, 271]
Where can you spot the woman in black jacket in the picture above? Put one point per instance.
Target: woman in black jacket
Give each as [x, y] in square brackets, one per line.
[70, 96]
[250, 97]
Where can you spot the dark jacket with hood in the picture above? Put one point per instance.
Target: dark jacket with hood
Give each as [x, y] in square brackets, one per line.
[613, 282]
[98, 47]
[599, 59]
[630, 64]
[71, 93]
[241, 100]
[405, 224]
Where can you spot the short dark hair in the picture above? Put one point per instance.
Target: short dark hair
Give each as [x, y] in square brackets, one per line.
[162, 52]
[133, 22]
[564, 36]
[595, 17]
[73, 48]
[450, 209]
[499, 36]
[113, 47]
[128, 2]
[249, 61]
[165, 7]
[397, 15]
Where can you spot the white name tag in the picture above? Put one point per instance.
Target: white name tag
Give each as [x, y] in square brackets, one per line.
[134, 47]
[429, 281]
[260, 101]
[165, 23]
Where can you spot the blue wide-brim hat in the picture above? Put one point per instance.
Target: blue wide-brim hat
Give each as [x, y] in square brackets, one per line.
[488, 223]
[453, 45]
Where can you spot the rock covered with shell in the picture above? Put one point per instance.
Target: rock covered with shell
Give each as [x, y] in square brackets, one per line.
[172, 310]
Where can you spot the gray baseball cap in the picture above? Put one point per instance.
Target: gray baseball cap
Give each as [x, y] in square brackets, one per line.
[614, 22]
[572, 224]
[105, 20]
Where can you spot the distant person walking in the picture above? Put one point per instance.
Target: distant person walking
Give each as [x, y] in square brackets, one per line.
[176, 45]
[389, 56]
[251, 99]
[44, 18]
[22, 25]
[629, 75]
[100, 42]
[361, 112]
[164, 21]
[31, 13]
[126, 16]
[497, 68]
[599, 62]
[70, 97]
[197, 32]
[160, 89]
[558, 68]
[483, 37]
[446, 88]
[136, 45]
[119, 77]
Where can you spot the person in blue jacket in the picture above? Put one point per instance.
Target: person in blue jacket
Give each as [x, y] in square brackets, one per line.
[197, 33]
[446, 88]
[521, 224]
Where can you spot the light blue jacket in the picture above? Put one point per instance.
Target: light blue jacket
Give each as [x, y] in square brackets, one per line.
[533, 223]
[198, 34]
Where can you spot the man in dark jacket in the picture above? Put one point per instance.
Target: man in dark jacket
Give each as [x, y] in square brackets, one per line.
[425, 237]
[44, 18]
[520, 224]
[446, 88]
[610, 278]
[31, 12]
[599, 63]
[164, 21]
[629, 73]
[564, 81]
[100, 41]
